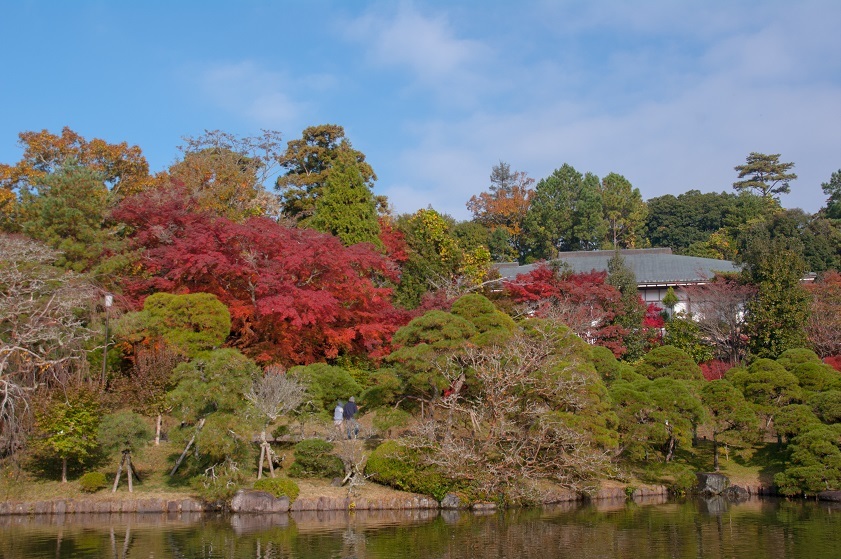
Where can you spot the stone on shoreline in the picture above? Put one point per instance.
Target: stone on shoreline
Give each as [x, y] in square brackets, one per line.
[833, 496]
[451, 501]
[712, 484]
[250, 502]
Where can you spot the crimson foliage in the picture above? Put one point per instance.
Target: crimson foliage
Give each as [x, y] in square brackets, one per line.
[295, 295]
[584, 302]
[715, 369]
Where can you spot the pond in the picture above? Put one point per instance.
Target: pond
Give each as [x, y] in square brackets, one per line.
[757, 529]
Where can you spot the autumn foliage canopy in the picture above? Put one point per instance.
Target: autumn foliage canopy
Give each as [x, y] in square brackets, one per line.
[295, 295]
[582, 301]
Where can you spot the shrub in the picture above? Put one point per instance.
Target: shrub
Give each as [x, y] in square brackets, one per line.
[92, 482]
[279, 487]
[817, 376]
[280, 431]
[384, 387]
[326, 384]
[386, 418]
[313, 459]
[191, 322]
[399, 467]
[834, 362]
[679, 478]
[683, 480]
[124, 430]
[790, 358]
[669, 361]
[609, 367]
[218, 483]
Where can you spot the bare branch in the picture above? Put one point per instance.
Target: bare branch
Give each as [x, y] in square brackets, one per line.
[274, 394]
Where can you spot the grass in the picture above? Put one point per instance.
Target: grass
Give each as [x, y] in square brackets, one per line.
[153, 465]
[31, 480]
[751, 466]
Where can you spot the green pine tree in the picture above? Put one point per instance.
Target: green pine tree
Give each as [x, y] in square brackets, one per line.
[66, 210]
[346, 207]
[778, 312]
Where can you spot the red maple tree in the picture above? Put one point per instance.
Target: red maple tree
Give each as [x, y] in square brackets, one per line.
[582, 301]
[295, 295]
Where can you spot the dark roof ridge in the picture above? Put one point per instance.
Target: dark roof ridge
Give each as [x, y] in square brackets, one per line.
[624, 251]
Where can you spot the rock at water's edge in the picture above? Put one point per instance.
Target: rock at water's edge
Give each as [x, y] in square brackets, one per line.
[834, 496]
[451, 501]
[246, 501]
[712, 484]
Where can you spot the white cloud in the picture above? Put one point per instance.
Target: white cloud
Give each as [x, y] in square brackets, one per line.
[255, 93]
[426, 47]
[753, 86]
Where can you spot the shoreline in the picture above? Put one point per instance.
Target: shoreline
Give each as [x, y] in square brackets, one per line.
[400, 501]
[318, 495]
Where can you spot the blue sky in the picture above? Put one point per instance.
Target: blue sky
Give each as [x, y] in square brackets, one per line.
[672, 94]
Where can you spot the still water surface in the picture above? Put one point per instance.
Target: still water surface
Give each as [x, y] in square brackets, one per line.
[756, 529]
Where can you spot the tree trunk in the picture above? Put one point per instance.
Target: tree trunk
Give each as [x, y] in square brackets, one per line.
[158, 430]
[670, 444]
[199, 425]
[260, 465]
[715, 452]
[64, 470]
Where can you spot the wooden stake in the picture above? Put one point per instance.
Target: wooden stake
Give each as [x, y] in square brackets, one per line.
[270, 456]
[129, 471]
[199, 425]
[119, 473]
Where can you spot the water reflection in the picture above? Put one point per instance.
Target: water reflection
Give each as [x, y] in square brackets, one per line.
[653, 528]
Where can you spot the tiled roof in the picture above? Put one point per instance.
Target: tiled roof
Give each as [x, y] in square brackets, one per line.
[650, 266]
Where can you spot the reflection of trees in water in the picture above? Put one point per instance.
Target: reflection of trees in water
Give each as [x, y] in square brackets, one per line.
[756, 529]
[354, 543]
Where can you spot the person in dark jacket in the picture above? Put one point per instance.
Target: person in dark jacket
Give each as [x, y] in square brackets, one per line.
[351, 425]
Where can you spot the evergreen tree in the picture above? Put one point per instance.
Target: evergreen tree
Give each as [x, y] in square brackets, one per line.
[765, 175]
[631, 309]
[549, 220]
[777, 314]
[589, 225]
[625, 211]
[814, 462]
[66, 210]
[729, 417]
[308, 162]
[346, 207]
[833, 190]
